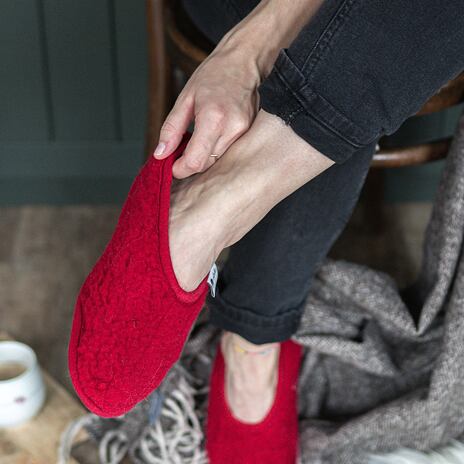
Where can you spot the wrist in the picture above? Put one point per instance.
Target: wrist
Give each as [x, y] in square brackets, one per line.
[240, 59]
[255, 40]
[271, 26]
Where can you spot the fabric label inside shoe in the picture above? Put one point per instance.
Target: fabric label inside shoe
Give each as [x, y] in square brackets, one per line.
[212, 279]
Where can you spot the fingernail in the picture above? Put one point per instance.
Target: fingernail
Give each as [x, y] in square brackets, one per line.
[159, 150]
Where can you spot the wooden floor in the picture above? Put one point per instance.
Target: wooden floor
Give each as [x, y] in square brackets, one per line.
[46, 252]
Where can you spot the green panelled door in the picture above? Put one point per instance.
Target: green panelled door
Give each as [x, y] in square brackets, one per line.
[72, 99]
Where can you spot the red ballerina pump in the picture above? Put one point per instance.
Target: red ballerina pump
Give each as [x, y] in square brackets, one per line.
[275, 438]
[132, 317]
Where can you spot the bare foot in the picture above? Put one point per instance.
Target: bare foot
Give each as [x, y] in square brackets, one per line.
[251, 377]
[214, 209]
[194, 232]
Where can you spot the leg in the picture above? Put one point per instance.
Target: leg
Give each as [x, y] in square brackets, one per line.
[223, 199]
[264, 283]
[351, 54]
[267, 276]
[366, 54]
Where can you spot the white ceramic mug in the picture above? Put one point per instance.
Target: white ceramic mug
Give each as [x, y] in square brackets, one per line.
[21, 396]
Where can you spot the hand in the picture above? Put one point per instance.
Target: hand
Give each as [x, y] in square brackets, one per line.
[221, 97]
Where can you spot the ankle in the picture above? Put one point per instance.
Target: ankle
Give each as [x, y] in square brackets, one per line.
[243, 346]
[260, 169]
[252, 367]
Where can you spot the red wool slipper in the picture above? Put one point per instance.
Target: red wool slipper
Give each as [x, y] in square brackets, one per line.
[275, 438]
[132, 318]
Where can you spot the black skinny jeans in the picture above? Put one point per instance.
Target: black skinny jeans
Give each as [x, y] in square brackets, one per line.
[353, 74]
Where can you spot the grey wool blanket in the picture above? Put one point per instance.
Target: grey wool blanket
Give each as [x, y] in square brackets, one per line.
[383, 367]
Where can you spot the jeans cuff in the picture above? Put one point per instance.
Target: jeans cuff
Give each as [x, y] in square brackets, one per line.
[256, 328]
[286, 94]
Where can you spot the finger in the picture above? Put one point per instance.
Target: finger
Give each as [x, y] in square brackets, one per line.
[234, 129]
[174, 127]
[208, 128]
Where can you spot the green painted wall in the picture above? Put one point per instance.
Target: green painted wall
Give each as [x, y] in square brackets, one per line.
[72, 99]
[73, 104]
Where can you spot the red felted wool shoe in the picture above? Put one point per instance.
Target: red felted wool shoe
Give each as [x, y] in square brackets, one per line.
[132, 317]
[275, 438]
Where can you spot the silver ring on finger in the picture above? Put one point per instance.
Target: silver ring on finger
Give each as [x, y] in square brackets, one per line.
[215, 157]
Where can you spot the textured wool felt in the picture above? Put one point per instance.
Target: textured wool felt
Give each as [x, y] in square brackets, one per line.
[275, 438]
[132, 318]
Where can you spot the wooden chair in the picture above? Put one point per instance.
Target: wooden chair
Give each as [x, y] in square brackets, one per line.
[175, 44]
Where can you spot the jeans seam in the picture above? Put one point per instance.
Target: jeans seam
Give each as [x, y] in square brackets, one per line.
[276, 321]
[247, 329]
[288, 117]
[302, 108]
[292, 115]
[289, 89]
[247, 316]
[317, 52]
[259, 320]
